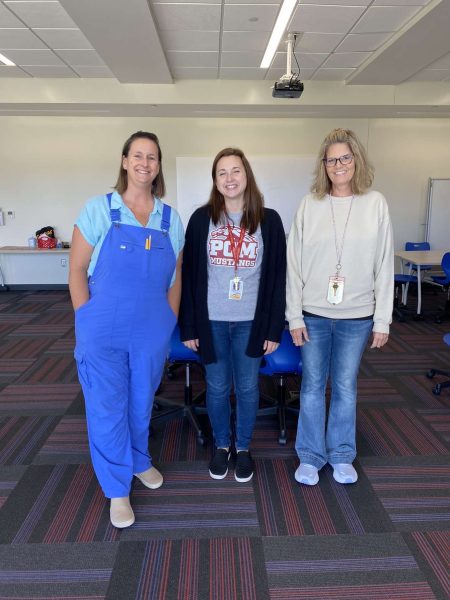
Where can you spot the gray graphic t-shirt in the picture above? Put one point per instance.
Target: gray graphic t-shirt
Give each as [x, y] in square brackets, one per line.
[221, 271]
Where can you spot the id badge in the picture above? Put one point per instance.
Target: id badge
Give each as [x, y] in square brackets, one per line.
[236, 289]
[335, 289]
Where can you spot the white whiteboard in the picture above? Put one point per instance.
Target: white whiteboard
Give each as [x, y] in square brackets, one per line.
[438, 214]
[283, 180]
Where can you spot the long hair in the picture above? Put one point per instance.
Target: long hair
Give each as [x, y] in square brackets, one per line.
[363, 177]
[158, 184]
[253, 212]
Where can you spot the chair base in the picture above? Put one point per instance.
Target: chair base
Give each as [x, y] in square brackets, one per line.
[189, 408]
[443, 384]
[279, 407]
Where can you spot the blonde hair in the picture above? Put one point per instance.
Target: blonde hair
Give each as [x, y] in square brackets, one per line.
[363, 177]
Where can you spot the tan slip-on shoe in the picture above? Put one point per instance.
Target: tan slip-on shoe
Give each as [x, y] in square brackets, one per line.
[151, 478]
[121, 513]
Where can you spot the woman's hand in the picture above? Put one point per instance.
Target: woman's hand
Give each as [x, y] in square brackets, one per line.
[379, 339]
[192, 344]
[299, 336]
[270, 347]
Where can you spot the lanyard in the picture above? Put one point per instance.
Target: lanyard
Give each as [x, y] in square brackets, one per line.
[235, 246]
[339, 248]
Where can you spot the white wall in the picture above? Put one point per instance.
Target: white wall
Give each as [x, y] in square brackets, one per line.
[51, 165]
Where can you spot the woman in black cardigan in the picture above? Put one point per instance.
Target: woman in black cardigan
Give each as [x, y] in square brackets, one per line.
[233, 300]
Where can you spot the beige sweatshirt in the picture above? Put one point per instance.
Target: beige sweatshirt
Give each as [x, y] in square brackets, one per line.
[367, 260]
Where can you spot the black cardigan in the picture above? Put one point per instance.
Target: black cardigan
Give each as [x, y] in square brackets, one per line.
[269, 319]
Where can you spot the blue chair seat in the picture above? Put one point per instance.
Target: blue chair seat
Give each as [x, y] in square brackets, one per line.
[286, 360]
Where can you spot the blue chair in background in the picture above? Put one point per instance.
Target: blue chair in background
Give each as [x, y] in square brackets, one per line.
[444, 281]
[179, 355]
[400, 279]
[286, 360]
[417, 247]
[432, 372]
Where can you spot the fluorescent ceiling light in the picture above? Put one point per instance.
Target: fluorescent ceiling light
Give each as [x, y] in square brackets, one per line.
[6, 61]
[283, 18]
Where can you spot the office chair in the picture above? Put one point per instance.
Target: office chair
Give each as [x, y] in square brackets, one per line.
[286, 360]
[432, 372]
[444, 281]
[180, 355]
[402, 280]
[417, 246]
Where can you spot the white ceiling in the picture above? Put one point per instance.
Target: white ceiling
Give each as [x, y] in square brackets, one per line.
[351, 43]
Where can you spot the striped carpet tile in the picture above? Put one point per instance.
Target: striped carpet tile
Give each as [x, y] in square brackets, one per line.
[419, 387]
[344, 567]
[57, 504]
[213, 569]
[395, 432]
[59, 572]
[67, 443]
[23, 347]
[434, 549]
[191, 504]
[413, 496]
[11, 368]
[175, 440]
[388, 363]
[35, 399]
[377, 390]
[46, 330]
[9, 476]
[438, 420]
[51, 369]
[21, 437]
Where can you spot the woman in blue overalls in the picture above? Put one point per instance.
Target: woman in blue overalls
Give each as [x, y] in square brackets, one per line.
[125, 288]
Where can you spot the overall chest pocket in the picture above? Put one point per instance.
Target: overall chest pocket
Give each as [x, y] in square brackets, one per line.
[139, 259]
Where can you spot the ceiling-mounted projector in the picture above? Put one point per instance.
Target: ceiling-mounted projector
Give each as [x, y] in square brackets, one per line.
[289, 86]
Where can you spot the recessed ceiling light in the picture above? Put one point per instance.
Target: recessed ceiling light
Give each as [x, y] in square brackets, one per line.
[6, 61]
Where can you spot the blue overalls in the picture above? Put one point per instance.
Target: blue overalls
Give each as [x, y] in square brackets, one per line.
[122, 339]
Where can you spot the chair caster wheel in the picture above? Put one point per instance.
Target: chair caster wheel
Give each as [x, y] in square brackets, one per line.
[437, 389]
[282, 439]
[431, 373]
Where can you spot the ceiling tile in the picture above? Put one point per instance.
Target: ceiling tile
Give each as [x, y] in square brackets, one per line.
[441, 63]
[244, 74]
[307, 61]
[332, 74]
[379, 19]
[345, 60]
[318, 42]
[51, 72]
[84, 58]
[193, 59]
[185, 41]
[245, 41]
[20, 39]
[7, 19]
[187, 2]
[363, 42]
[194, 17]
[34, 57]
[400, 2]
[40, 14]
[278, 2]
[12, 72]
[102, 72]
[325, 19]
[338, 2]
[192, 73]
[64, 39]
[241, 59]
[431, 75]
[249, 17]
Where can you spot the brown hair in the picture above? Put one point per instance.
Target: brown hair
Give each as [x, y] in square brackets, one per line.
[253, 213]
[363, 177]
[158, 185]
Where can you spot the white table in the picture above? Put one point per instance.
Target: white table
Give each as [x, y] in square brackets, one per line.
[420, 258]
[53, 269]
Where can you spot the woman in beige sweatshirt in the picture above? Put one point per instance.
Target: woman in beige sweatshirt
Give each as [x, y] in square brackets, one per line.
[340, 279]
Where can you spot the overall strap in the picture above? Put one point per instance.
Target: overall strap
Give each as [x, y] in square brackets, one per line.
[165, 219]
[114, 213]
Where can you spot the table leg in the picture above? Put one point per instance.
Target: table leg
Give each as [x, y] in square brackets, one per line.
[419, 291]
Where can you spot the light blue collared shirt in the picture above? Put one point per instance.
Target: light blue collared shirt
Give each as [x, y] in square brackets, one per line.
[94, 222]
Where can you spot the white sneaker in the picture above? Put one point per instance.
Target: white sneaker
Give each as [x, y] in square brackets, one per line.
[121, 513]
[344, 473]
[307, 474]
[151, 478]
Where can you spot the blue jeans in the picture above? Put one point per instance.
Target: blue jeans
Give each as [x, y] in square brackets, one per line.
[230, 342]
[334, 350]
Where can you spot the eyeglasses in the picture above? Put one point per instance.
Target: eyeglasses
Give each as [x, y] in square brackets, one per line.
[344, 160]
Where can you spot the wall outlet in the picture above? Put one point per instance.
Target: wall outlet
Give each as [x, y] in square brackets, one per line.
[11, 214]
[64, 262]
